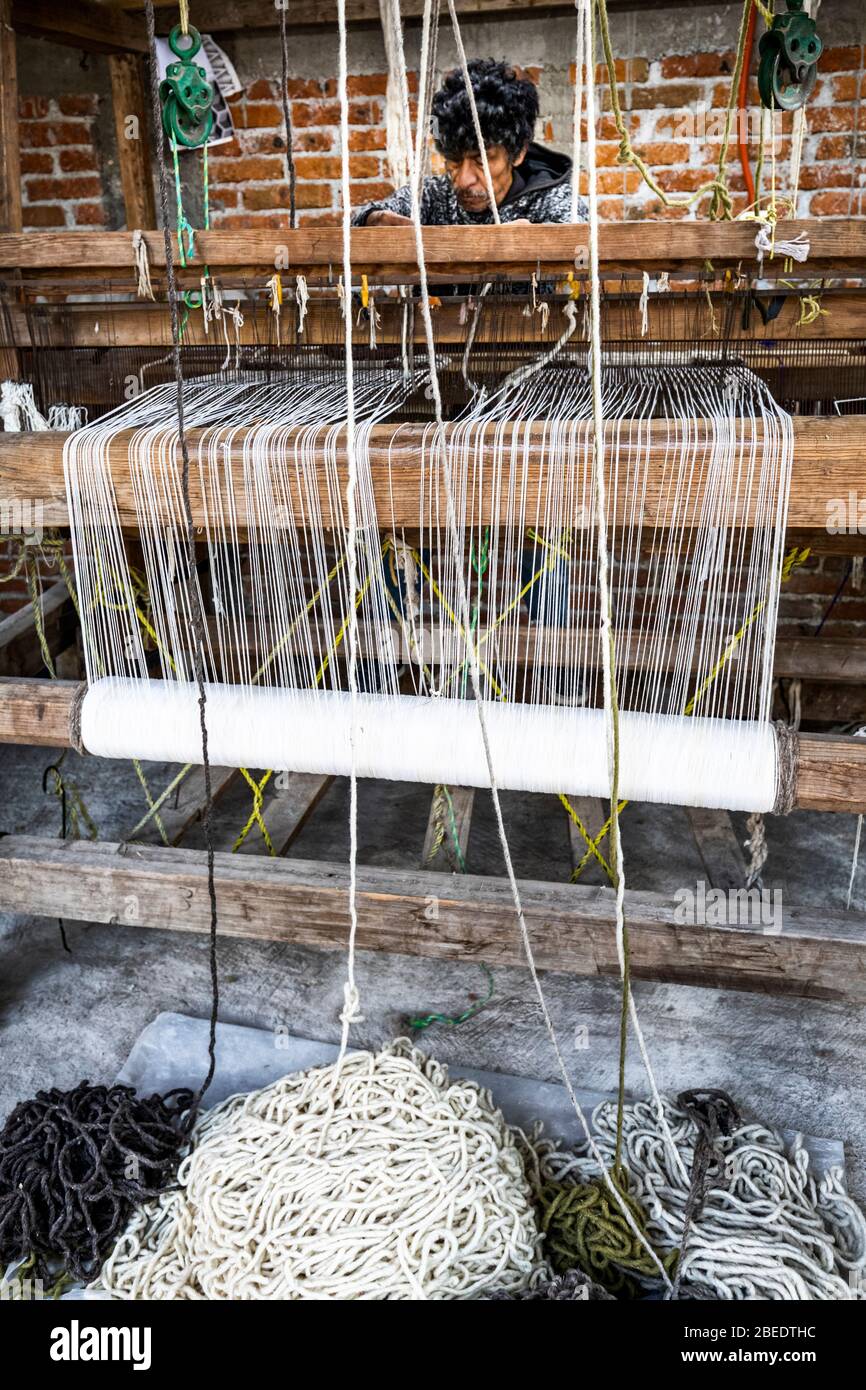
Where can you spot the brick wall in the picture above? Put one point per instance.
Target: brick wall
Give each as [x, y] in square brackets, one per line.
[61, 180]
[674, 109]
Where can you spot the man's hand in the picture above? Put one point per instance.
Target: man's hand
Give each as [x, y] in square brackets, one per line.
[382, 218]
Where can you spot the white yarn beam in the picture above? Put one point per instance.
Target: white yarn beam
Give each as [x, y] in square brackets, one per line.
[686, 761]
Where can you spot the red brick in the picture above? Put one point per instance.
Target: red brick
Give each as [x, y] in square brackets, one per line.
[243, 221]
[667, 152]
[262, 90]
[611, 209]
[89, 214]
[365, 113]
[822, 118]
[834, 147]
[374, 85]
[698, 65]
[224, 200]
[230, 150]
[367, 139]
[842, 59]
[31, 108]
[78, 162]
[618, 180]
[315, 113]
[36, 163]
[848, 87]
[318, 166]
[321, 219]
[256, 114]
[78, 105]
[361, 166]
[312, 141]
[39, 135]
[272, 143]
[276, 196]
[304, 87]
[828, 175]
[667, 94]
[370, 192]
[681, 180]
[625, 70]
[830, 205]
[47, 215]
[58, 189]
[250, 168]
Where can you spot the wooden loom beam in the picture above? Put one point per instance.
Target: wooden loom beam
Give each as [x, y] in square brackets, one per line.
[831, 776]
[450, 251]
[818, 954]
[829, 464]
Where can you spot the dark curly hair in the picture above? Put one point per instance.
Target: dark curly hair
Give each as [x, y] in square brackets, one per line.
[507, 109]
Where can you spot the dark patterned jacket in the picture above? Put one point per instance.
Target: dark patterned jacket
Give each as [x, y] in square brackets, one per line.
[541, 192]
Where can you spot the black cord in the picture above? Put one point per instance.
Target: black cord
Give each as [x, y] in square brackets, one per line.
[72, 1166]
[196, 606]
[282, 6]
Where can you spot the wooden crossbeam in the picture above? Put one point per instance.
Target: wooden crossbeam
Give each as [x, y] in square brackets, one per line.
[451, 251]
[719, 848]
[831, 768]
[817, 953]
[829, 464]
[82, 24]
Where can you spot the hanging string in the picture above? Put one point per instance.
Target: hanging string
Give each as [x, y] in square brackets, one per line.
[198, 616]
[351, 1012]
[282, 6]
[464, 612]
[479, 134]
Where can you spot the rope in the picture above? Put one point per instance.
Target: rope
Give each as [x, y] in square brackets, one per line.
[287, 114]
[721, 198]
[73, 1164]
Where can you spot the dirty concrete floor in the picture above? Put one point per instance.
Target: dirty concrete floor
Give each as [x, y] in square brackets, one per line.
[794, 1063]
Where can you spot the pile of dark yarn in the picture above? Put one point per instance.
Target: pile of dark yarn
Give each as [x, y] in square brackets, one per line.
[574, 1287]
[73, 1164]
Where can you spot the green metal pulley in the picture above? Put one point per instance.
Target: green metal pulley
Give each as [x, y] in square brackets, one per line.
[789, 59]
[186, 95]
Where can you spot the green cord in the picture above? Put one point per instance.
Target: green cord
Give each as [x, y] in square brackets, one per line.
[419, 1024]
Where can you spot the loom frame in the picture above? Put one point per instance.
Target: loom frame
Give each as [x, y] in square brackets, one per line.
[819, 955]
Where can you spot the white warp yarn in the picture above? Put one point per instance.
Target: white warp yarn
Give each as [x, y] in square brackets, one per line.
[536, 748]
[373, 1178]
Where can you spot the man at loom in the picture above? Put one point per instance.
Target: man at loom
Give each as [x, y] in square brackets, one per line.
[531, 183]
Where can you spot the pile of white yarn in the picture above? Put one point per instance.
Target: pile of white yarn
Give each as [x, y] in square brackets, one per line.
[768, 1229]
[374, 1178]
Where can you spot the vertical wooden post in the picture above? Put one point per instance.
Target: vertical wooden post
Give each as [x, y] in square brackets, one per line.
[133, 143]
[10, 155]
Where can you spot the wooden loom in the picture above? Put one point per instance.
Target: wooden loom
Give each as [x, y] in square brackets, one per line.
[822, 955]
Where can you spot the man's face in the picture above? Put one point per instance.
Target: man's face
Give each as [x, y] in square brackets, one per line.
[470, 185]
